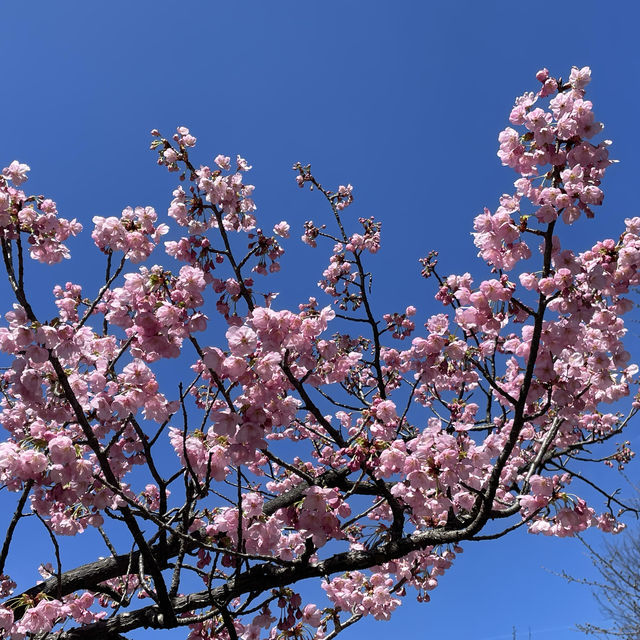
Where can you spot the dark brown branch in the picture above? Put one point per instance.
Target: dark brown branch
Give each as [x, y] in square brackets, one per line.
[17, 514]
[262, 578]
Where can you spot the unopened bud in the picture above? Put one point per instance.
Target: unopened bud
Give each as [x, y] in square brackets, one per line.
[542, 75]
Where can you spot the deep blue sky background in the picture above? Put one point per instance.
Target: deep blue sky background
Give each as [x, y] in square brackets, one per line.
[403, 100]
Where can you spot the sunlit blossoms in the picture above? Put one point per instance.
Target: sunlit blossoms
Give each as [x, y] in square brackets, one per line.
[226, 449]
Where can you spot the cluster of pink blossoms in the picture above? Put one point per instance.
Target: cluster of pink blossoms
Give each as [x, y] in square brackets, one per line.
[557, 138]
[298, 449]
[36, 216]
[157, 309]
[133, 233]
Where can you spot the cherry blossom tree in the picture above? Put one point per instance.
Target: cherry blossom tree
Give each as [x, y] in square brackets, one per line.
[321, 444]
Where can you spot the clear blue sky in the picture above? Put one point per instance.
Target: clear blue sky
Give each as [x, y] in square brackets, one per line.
[403, 100]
